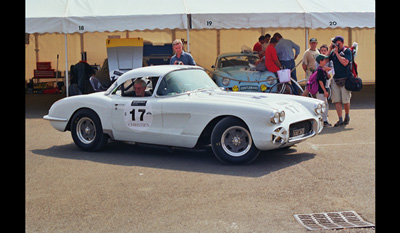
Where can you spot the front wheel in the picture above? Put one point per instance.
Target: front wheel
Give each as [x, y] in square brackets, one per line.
[232, 143]
[87, 132]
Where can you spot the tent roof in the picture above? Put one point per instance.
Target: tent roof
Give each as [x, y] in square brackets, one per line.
[339, 13]
[70, 16]
[241, 14]
[283, 13]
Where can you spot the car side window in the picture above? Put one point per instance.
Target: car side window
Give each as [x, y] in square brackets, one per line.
[128, 89]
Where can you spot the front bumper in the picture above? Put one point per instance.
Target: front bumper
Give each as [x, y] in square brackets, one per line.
[58, 123]
[297, 132]
[288, 135]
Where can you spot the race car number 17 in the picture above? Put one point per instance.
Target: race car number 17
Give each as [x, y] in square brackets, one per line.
[138, 115]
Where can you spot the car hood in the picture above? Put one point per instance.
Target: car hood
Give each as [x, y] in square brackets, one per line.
[267, 101]
[243, 73]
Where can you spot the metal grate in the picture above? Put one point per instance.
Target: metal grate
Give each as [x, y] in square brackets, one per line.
[332, 220]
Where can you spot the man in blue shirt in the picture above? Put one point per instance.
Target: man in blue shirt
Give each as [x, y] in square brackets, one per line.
[180, 57]
[284, 49]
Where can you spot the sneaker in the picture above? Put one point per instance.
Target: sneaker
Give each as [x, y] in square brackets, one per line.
[346, 119]
[339, 123]
[326, 124]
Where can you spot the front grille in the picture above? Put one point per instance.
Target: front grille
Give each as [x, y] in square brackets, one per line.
[300, 128]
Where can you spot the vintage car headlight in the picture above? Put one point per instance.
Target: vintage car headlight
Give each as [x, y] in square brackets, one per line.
[282, 116]
[323, 107]
[320, 108]
[277, 117]
[270, 80]
[226, 81]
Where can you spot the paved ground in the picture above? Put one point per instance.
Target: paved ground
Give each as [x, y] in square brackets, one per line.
[130, 188]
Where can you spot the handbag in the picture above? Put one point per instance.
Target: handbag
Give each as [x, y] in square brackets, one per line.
[284, 75]
[353, 83]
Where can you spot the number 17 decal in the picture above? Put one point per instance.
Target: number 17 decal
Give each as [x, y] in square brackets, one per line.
[142, 111]
[138, 115]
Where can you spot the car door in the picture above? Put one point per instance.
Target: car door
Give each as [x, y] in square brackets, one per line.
[136, 119]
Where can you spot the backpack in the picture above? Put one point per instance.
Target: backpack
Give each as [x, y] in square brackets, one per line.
[353, 64]
[312, 84]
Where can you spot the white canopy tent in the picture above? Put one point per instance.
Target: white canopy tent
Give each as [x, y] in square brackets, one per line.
[284, 13]
[339, 13]
[80, 16]
[70, 16]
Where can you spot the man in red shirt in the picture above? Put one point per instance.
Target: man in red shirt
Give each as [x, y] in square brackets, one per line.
[271, 58]
[258, 46]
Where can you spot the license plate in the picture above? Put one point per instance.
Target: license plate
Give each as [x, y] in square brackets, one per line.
[249, 88]
[298, 132]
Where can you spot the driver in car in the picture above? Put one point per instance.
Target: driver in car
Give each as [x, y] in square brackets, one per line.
[140, 88]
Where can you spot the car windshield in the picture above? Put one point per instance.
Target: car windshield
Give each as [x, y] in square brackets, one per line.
[182, 81]
[237, 60]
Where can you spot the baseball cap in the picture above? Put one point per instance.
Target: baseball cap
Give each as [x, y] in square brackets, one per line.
[337, 38]
[313, 40]
[320, 57]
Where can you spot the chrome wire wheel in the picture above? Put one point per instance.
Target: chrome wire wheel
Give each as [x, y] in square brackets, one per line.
[86, 130]
[236, 141]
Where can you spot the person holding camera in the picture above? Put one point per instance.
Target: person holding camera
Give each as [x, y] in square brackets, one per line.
[341, 57]
[180, 57]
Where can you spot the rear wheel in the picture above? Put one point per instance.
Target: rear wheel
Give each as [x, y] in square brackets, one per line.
[232, 143]
[87, 132]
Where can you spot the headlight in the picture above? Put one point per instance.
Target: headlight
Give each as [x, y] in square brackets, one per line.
[226, 81]
[320, 108]
[323, 107]
[235, 88]
[277, 117]
[270, 80]
[282, 116]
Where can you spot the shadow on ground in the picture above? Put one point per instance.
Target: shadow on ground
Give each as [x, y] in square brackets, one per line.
[204, 161]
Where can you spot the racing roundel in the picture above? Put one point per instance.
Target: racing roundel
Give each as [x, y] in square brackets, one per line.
[138, 115]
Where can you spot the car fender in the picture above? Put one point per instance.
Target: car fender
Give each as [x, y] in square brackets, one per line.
[61, 112]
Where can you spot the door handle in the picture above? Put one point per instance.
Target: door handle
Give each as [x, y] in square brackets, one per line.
[116, 106]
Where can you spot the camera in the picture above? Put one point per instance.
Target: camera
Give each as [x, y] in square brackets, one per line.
[334, 45]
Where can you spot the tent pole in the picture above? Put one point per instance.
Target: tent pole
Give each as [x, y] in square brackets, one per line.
[189, 26]
[188, 40]
[66, 64]
[37, 46]
[218, 42]
[306, 38]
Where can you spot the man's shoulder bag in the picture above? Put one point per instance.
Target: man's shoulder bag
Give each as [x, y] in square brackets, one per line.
[353, 83]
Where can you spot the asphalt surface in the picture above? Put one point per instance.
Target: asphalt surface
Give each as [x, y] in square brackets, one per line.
[131, 188]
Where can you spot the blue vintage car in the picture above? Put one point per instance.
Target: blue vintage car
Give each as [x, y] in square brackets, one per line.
[237, 72]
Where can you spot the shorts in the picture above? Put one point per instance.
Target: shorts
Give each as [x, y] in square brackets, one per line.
[340, 94]
[308, 74]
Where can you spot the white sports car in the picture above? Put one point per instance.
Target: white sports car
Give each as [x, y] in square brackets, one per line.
[185, 108]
